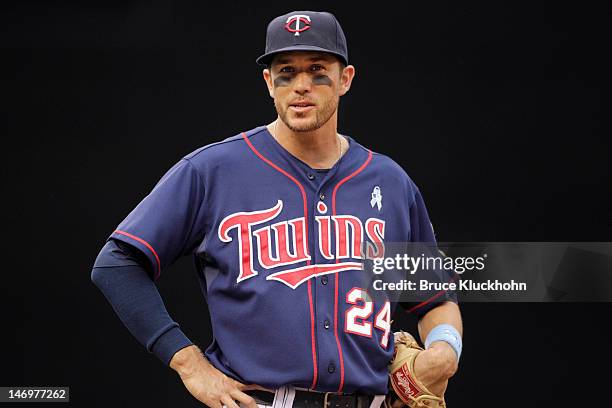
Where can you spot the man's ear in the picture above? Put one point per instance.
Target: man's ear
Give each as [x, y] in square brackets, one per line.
[346, 79]
[267, 75]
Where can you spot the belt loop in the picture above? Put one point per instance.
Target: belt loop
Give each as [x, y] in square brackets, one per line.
[325, 399]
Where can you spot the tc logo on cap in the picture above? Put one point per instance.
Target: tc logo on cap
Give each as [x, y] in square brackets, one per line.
[296, 19]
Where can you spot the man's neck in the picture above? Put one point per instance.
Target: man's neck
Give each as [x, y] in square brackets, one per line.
[320, 149]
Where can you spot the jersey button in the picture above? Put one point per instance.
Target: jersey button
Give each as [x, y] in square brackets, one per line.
[322, 196]
[310, 177]
[324, 280]
[331, 368]
[326, 324]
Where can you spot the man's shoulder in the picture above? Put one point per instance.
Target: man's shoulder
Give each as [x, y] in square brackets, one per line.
[391, 172]
[384, 162]
[386, 165]
[224, 150]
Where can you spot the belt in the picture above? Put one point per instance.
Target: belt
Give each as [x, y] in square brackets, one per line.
[311, 399]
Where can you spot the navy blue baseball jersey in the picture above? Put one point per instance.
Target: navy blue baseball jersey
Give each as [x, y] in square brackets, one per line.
[279, 249]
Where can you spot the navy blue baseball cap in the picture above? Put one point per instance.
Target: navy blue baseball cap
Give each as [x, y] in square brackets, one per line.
[304, 31]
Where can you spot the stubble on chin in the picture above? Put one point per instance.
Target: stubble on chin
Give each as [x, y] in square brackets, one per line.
[321, 117]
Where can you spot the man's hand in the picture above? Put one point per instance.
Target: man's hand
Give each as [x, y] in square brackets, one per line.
[433, 367]
[207, 384]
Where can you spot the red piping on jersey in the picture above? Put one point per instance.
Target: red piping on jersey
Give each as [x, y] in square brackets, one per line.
[344, 180]
[434, 297]
[313, 346]
[145, 243]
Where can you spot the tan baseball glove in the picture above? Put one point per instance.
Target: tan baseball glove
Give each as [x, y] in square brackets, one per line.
[403, 380]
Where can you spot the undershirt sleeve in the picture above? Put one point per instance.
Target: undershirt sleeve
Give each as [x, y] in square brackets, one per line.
[125, 277]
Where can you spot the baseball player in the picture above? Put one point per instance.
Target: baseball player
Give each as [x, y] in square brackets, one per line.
[279, 219]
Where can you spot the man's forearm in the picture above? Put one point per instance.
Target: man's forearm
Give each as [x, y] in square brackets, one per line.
[136, 300]
[436, 365]
[446, 313]
[446, 356]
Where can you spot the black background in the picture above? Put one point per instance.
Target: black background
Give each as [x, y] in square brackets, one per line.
[493, 108]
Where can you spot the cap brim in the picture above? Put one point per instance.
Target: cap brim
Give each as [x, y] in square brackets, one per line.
[267, 58]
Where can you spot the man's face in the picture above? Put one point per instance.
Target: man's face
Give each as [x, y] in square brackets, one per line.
[306, 87]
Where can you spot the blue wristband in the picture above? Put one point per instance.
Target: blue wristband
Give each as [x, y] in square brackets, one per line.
[448, 334]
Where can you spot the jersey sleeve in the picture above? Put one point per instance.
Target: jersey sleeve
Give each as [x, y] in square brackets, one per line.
[421, 227]
[169, 221]
[423, 241]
